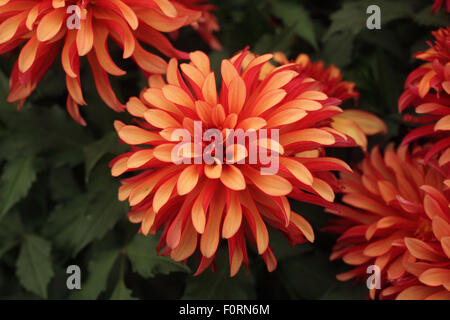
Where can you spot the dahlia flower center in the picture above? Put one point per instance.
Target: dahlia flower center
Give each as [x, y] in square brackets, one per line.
[223, 145]
[424, 230]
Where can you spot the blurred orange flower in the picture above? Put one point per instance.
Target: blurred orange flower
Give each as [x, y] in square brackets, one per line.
[355, 123]
[438, 4]
[330, 78]
[83, 28]
[207, 24]
[427, 90]
[396, 216]
[198, 203]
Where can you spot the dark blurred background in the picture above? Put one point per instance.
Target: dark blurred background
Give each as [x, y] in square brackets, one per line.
[58, 203]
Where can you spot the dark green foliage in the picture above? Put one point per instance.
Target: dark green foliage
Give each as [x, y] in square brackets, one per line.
[58, 202]
[34, 265]
[142, 254]
[219, 284]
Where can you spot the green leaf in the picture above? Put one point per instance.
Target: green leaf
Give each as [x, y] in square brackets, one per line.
[62, 224]
[96, 150]
[38, 130]
[11, 227]
[280, 41]
[121, 292]
[352, 16]
[34, 266]
[11, 230]
[7, 245]
[99, 268]
[219, 285]
[294, 15]
[338, 49]
[308, 276]
[142, 254]
[17, 178]
[385, 39]
[89, 216]
[63, 184]
[102, 214]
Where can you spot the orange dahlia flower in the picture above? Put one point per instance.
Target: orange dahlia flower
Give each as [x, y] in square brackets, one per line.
[330, 78]
[197, 202]
[438, 4]
[82, 28]
[355, 123]
[397, 217]
[427, 90]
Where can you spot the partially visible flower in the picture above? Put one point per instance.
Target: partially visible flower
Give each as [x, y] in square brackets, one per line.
[44, 27]
[432, 76]
[197, 203]
[207, 24]
[330, 78]
[396, 216]
[427, 90]
[355, 123]
[438, 4]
